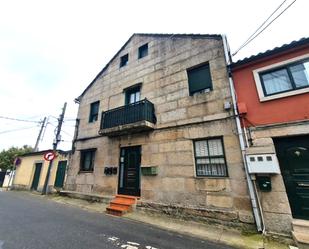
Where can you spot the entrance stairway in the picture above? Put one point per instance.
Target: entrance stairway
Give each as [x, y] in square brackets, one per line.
[121, 204]
[301, 233]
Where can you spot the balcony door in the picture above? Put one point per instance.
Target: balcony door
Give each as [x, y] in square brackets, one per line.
[132, 95]
[129, 171]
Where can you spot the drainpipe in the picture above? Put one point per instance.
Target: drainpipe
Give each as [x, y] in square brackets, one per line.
[256, 210]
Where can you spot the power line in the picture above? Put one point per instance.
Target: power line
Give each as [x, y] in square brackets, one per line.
[260, 26]
[24, 128]
[254, 35]
[20, 120]
[65, 132]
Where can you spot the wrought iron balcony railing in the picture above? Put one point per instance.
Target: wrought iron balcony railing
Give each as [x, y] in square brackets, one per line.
[140, 114]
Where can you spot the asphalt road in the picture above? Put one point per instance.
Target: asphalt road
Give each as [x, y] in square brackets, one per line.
[34, 222]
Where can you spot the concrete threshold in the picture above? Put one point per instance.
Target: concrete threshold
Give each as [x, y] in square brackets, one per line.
[234, 237]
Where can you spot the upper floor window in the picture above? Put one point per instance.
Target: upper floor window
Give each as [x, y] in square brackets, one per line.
[143, 51]
[210, 157]
[94, 111]
[124, 60]
[290, 77]
[283, 79]
[87, 160]
[132, 95]
[199, 79]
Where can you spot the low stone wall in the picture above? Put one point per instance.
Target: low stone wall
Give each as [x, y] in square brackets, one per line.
[224, 217]
[87, 197]
[20, 187]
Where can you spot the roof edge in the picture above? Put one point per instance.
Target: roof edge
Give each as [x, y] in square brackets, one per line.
[277, 50]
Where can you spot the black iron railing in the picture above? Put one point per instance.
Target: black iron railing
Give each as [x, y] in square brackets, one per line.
[140, 111]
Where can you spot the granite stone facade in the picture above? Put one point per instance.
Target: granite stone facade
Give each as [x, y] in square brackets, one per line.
[181, 119]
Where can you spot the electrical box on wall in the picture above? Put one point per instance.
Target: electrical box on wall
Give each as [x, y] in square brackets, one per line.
[263, 164]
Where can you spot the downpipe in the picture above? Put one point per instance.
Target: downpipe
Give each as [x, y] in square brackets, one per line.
[252, 193]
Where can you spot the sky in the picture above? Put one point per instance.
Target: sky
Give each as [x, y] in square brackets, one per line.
[51, 50]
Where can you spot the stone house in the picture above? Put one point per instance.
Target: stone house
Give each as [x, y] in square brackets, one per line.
[157, 123]
[273, 101]
[31, 173]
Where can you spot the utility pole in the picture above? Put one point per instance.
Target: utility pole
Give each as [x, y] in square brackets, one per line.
[39, 136]
[55, 144]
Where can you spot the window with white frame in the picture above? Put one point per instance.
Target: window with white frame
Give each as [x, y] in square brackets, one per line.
[283, 79]
[210, 157]
[287, 78]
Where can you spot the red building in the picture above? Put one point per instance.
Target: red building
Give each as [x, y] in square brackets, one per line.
[272, 91]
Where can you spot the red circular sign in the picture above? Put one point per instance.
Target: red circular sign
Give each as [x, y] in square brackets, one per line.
[48, 156]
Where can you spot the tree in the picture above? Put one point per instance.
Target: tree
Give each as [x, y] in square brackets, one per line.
[7, 157]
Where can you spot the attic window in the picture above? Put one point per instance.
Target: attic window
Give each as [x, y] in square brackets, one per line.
[124, 60]
[143, 51]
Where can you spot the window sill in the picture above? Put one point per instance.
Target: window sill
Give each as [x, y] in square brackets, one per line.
[211, 177]
[85, 172]
[285, 94]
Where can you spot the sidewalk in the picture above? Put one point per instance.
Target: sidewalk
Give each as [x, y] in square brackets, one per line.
[211, 232]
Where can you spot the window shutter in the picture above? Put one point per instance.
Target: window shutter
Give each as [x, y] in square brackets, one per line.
[199, 79]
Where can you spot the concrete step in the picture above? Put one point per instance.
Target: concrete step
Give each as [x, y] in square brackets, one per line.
[123, 201]
[117, 211]
[130, 197]
[121, 204]
[301, 226]
[301, 239]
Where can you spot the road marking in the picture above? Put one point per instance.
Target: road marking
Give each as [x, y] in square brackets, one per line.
[133, 243]
[113, 238]
[129, 247]
[1, 244]
[150, 247]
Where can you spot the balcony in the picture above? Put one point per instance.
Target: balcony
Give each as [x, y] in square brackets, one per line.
[132, 118]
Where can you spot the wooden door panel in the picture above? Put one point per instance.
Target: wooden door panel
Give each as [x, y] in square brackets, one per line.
[129, 173]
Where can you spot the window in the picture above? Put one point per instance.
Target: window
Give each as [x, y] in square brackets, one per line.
[143, 51]
[124, 60]
[132, 95]
[199, 79]
[287, 78]
[94, 111]
[87, 160]
[210, 158]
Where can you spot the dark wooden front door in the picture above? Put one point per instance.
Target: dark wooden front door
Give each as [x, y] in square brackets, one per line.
[129, 171]
[60, 175]
[36, 176]
[293, 155]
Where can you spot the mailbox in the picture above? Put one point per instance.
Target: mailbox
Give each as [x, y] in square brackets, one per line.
[264, 183]
[108, 170]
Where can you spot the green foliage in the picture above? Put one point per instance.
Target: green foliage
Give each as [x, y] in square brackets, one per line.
[7, 157]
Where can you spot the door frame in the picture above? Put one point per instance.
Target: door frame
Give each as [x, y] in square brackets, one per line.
[280, 142]
[138, 172]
